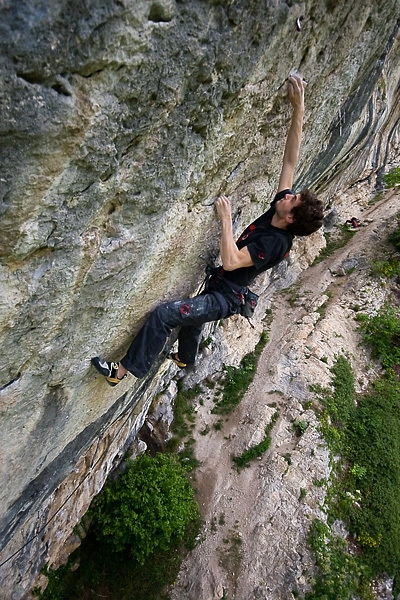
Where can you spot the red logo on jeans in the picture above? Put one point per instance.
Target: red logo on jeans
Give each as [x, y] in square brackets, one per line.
[185, 309]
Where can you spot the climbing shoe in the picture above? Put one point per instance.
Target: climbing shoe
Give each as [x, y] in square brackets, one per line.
[174, 357]
[108, 369]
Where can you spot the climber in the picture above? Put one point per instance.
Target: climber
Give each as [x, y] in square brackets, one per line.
[353, 224]
[263, 244]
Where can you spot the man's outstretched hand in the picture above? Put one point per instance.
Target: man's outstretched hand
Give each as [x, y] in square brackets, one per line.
[296, 87]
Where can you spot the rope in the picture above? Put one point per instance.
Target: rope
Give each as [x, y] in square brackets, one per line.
[101, 435]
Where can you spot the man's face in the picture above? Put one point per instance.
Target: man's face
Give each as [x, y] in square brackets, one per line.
[285, 206]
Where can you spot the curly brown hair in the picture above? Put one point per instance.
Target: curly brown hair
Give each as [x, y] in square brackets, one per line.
[308, 216]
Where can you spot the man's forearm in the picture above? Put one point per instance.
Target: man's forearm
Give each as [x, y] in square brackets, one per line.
[227, 246]
[293, 140]
[232, 258]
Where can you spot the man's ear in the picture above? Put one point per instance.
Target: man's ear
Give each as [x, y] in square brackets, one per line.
[289, 218]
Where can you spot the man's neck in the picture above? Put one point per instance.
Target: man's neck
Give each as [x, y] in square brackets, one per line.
[278, 222]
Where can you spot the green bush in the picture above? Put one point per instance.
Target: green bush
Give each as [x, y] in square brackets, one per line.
[364, 492]
[341, 575]
[147, 508]
[373, 441]
[394, 237]
[392, 179]
[338, 404]
[300, 427]
[386, 268]
[382, 333]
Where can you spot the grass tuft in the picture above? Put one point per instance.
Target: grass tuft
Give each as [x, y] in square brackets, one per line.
[238, 379]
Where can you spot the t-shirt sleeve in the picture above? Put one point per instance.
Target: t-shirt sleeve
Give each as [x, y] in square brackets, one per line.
[269, 251]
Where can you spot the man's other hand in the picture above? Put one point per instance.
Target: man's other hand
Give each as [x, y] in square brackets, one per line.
[223, 207]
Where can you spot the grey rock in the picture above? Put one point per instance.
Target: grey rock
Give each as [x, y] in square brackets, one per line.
[120, 123]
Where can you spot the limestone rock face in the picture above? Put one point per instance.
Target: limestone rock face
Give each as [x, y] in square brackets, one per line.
[121, 121]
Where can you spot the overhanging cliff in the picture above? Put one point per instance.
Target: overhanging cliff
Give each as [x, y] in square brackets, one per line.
[121, 122]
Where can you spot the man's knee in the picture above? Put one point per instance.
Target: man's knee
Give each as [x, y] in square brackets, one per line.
[168, 313]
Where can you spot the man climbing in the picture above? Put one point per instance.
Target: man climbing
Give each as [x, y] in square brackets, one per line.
[265, 243]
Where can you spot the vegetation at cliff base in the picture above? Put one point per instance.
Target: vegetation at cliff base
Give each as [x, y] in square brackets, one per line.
[333, 242]
[134, 544]
[146, 509]
[143, 523]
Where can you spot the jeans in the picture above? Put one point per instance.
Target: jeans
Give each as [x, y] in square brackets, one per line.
[190, 315]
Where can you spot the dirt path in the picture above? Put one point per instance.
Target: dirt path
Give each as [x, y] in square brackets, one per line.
[256, 520]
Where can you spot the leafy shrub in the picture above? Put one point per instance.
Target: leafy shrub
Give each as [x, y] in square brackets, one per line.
[374, 442]
[386, 268]
[382, 333]
[394, 237]
[358, 471]
[364, 494]
[147, 508]
[392, 179]
[340, 575]
[300, 427]
[338, 404]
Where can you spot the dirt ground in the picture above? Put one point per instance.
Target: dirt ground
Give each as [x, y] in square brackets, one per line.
[256, 520]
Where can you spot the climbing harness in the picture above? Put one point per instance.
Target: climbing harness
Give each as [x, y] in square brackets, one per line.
[243, 300]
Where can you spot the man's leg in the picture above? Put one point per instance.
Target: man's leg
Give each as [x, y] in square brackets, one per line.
[188, 343]
[148, 343]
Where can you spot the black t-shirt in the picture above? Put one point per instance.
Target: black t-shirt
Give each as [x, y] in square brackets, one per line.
[267, 245]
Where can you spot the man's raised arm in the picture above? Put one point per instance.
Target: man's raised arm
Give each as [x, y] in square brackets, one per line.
[296, 87]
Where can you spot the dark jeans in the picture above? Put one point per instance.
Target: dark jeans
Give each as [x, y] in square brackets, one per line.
[190, 315]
